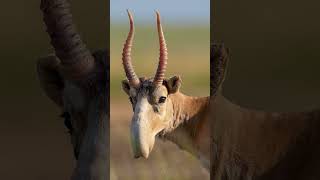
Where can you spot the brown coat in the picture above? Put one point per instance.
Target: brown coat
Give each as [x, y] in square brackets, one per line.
[249, 144]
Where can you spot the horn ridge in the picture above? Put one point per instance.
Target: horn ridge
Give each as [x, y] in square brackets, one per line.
[126, 55]
[76, 59]
[160, 74]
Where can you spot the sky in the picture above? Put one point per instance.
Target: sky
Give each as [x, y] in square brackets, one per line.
[172, 11]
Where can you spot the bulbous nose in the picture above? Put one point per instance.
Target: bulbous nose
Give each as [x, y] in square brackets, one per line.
[144, 154]
[144, 149]
[142, 140]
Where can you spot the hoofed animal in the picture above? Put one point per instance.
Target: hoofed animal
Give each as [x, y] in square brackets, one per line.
[160, 109]
[78, 82]
[249, 144]
[244, 144]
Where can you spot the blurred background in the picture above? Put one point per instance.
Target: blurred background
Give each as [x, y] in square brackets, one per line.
[34, 142]
[187, 31]
[275, 52]
[274, 66]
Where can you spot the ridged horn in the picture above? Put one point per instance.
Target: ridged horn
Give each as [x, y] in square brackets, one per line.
[126, 55]
[160, 74]
[76, 60]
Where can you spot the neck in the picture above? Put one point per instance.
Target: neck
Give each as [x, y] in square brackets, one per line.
[189, 127]
[249, 142]
[93, 162]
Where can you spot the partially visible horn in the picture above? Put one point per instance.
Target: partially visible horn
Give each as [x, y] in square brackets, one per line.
[76, 59]
[126, 56]
[158, 79]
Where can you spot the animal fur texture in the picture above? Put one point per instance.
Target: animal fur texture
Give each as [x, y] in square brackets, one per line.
[248, 144]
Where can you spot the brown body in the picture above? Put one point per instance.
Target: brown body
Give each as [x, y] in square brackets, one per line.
[244, 144]
[250, 144]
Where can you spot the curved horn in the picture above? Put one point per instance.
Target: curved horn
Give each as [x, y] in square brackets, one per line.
[76, 59]
[126, 56]
[158, 79]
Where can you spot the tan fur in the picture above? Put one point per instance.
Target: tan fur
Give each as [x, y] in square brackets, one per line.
[190, 128]
[181, 119]
[248, 144]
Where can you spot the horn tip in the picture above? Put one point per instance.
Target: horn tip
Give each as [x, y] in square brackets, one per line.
[128, 12]
[157, 13]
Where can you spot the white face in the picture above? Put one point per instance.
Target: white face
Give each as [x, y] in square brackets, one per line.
[153, 111]
[151, 115]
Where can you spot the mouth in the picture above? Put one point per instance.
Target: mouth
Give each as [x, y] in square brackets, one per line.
[139, 155]
[145, 151]
[161, 135]
[143, 144]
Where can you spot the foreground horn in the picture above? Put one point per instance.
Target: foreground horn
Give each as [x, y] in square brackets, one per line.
[76, 59]
[159, 77]
[126, 56]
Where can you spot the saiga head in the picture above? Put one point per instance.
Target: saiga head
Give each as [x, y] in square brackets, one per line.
[74, 78]
[150, 97]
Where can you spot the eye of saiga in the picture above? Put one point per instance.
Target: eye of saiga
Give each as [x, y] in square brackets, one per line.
[162, 99]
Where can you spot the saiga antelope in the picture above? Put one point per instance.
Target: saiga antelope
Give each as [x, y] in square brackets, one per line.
[160, 109]
[245, 144]
[78, 82]
[248, 144]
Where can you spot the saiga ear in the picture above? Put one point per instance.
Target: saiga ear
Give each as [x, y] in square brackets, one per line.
[219, 57]
[173, 84]
[50, 80]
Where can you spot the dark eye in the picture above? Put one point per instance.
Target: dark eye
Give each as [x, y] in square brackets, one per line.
[67, 121]
[162, 99]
